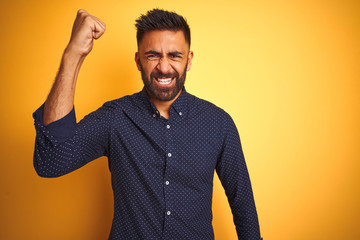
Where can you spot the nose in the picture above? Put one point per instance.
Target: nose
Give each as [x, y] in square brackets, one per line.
[164, 65]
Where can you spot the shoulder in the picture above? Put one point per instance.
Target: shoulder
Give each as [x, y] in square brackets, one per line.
[113, 110]
[203, 108]
[122, 103]
[211, 117]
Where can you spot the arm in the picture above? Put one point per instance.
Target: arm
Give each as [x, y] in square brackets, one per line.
[61, 98]
[64, 145]
[61, 144]
[232, 171]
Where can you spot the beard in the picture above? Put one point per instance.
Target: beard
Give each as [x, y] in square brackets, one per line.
[163, 94]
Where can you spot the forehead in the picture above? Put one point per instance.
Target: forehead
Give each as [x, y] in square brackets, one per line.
[163, 40]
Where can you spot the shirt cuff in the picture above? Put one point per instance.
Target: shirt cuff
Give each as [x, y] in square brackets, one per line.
[57, 131]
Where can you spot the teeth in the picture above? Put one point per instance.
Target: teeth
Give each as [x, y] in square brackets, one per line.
[164, 80]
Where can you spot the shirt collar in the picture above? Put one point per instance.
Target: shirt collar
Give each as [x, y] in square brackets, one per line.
[179, 105]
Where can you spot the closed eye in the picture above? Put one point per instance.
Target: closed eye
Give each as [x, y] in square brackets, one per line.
[152, 56]
[175, 55]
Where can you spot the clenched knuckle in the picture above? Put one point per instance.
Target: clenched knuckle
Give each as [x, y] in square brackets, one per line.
[88, 19]
[81, 11]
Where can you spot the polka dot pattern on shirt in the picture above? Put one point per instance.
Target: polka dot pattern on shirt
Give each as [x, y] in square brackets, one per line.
[162, 170]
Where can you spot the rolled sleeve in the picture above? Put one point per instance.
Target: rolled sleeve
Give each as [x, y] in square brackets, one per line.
[57, 131]
[64, 145]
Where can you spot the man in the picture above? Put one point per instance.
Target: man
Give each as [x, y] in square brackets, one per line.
[163, 144]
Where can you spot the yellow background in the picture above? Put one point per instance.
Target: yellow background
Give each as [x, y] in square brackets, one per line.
[288, 73]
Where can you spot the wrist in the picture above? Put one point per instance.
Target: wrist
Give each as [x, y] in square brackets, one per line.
[72, 54]
[70, 65]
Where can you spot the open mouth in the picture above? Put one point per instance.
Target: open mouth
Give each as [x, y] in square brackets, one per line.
[164, 81]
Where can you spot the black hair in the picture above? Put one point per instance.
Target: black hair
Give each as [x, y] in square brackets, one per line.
[158, 19]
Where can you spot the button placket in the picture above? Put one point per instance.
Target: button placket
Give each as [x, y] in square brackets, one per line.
[168, 189]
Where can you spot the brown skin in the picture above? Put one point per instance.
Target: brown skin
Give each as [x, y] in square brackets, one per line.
[86, 28]
[165, 52]
[60, 101]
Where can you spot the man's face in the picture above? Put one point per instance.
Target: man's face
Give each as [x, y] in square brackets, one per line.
[163, 58]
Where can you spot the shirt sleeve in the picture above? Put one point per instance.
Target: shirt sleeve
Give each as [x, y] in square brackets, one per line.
[64, 145]
[232, 171]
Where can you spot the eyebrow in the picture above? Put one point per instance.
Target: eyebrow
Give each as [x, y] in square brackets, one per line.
[152, 52]
[175, 53]
[158, 53]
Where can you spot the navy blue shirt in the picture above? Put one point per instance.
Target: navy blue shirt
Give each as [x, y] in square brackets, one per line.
[161, 169]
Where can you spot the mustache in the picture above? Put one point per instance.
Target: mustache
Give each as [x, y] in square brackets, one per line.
[167, 75]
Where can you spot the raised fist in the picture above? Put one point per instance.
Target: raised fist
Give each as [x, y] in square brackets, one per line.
[86, 28]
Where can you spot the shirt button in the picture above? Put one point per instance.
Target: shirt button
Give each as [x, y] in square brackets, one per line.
[154, 115]
[169, 154]
[180, 113]
[168, 212]
[168, 126]
[167, 183]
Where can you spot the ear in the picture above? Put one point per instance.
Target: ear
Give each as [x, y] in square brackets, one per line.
[190, 57]
[137, 60]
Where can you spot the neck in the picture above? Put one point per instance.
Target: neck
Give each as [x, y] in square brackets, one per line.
[163, 106]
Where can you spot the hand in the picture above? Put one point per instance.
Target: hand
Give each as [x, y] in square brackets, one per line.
[86, 28]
